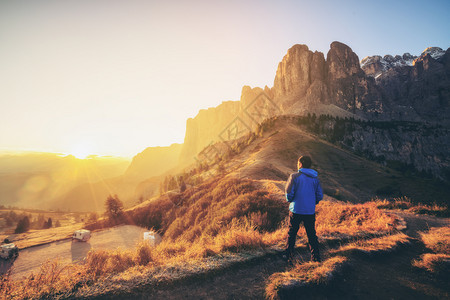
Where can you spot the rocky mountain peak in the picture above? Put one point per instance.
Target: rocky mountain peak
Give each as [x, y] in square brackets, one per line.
[375, 65]
[293, 73]
[434, 52]
[342, 61]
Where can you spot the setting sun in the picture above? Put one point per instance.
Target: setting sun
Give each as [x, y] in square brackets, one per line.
[81, 151]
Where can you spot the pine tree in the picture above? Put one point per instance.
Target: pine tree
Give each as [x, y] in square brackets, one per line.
[23, 225]
[49, 223]
[114, 209]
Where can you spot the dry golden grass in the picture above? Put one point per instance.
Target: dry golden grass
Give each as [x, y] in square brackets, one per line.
[52, 279]
[437, 239]
[101, 262]
[434, 263]
[221, 216]
[386, 243]
[303, 274]
[352, 219]
[405, 203]
[335, 219]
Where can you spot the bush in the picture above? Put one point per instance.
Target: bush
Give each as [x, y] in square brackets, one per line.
[23, 225]
[114, 209]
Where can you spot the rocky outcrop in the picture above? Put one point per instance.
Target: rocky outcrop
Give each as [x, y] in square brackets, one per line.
[227, 121]
[407, 87]
[206, 128]
[375, 65]
[300, 75]
[307, 83]
[348, 86]
[299, 68]
[424, 147]
[342, 62]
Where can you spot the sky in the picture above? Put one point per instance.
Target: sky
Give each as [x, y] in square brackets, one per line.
[110, 77]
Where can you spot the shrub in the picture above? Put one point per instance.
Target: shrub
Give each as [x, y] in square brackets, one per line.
[114, 209]
[23, 225]
[144, 254]
[238, 237]
[102, 262]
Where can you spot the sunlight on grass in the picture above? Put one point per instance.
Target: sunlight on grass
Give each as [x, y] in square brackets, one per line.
[219, 217]
[404, 203]
[344, 218]
[381, 244]
[434, 263]
[437, 240]
[303, 274]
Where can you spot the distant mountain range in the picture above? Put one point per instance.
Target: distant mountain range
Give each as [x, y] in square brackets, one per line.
[33, 179]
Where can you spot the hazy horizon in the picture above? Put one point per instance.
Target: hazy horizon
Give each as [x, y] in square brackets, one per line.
[115, 77]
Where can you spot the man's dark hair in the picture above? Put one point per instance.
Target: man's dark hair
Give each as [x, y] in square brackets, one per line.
[305, 161]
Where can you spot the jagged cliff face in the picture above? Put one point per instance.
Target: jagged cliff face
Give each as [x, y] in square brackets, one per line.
[228, 121]
[297, 71]
[307, 83]
[407, 87]
[206, 127]
[413, 88]
[348, 86]
[424, 147]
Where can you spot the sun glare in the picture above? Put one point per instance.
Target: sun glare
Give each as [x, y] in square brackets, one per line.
[81, 152]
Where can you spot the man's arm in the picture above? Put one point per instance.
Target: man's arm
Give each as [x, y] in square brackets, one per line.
[319, 192]
[290, 188]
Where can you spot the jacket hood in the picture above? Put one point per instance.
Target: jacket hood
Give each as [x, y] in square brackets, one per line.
[308, 172]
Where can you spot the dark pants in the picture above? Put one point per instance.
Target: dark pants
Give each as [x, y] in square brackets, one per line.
[309, 221]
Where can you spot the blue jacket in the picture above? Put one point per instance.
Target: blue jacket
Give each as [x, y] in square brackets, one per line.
[303, 191]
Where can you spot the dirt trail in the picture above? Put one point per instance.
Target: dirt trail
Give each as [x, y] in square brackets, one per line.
[392, 276]
[386, 277]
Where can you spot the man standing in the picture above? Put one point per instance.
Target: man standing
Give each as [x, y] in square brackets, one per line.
[303, 191]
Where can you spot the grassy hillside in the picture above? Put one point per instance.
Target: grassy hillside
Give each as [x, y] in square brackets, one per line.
[272, 153]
